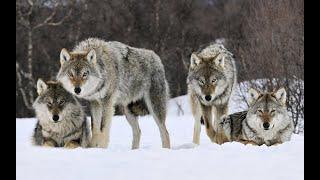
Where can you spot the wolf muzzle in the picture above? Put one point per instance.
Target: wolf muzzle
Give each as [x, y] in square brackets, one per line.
[55, 118]
[77, 90]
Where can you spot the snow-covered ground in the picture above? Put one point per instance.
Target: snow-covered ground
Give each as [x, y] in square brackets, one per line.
[184, 161]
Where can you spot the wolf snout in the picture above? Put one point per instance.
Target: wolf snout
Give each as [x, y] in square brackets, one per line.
[208, 97]
[77, 90]
[266, 125]
[55, 118]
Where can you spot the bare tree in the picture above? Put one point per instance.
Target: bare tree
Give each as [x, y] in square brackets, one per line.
[26, 11]
[266, 37]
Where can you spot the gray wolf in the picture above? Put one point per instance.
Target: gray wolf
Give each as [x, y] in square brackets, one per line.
[110, 74]
[61, 120]
[211, 80]
[265, 122]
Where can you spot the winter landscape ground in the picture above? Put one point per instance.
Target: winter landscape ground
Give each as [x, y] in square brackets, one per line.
[184, 161]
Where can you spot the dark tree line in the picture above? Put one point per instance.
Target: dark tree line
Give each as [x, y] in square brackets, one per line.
[266, 36]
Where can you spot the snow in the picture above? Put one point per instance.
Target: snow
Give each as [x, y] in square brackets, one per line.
[151, 162]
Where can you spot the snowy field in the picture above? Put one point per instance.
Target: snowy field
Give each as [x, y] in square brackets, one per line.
[184, 161]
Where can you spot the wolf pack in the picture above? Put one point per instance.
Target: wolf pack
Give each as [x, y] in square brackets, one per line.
[109, 74]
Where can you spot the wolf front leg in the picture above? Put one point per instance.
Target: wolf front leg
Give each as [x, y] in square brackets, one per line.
[207, 117]
[196, 112]
[101, 115]
[219, 112]
[49, 143]
[72, 145]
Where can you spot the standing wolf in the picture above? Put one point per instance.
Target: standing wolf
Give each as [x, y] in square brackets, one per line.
[61, 120]
[211, 80]
[112, 73]
[265, 122]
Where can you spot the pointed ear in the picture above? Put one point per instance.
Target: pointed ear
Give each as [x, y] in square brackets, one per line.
[253, 95]
[195, 60]
[41, 86]
[92, 56]
[64, 56]
[281, 95]
[219, 61]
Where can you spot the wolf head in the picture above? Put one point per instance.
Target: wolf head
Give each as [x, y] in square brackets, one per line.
[207, 76]
[78, 72]
[267, 110]
[53, 101]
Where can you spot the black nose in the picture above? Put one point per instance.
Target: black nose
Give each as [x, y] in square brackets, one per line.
[77, 90]
[266, 125]
[208, 97]
[55, 117]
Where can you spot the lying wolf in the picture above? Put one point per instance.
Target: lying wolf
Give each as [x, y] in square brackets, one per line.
[61, 120]
[265, 122]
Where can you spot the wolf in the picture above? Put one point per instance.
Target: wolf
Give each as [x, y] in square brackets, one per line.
[110, 74]
[211, 80]
[61, 119]
[265, 122]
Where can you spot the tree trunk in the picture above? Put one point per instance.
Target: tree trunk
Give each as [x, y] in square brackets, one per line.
[30, 49]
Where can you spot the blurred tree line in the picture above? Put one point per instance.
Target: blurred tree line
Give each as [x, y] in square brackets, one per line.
[266, 36]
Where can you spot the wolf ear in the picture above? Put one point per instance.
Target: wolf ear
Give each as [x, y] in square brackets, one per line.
[41, 86]
[253, 95]
[219, 61]
[92, 56]
[64, 56]
[281, 95]
[195, 60]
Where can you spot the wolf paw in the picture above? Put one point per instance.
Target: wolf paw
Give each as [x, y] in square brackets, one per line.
[48, 144]
[71, 145]
[99, 141]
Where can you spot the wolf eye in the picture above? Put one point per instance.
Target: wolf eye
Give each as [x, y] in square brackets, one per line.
[213, 80]
[70, 75]
[201, 82]
[61, 102]
[260, 111]
[272, 111]
[49, 104]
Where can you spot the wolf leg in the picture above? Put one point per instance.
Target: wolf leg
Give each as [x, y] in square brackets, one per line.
[96, 116]
[107, 113]
[102, 113]
[245, 142]
[207, 117]
[196, 111]
[71, 145]
[220, 112]
[136, 132]
[49, 143]
[197, 130]
[156, 102]
[86, 134]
